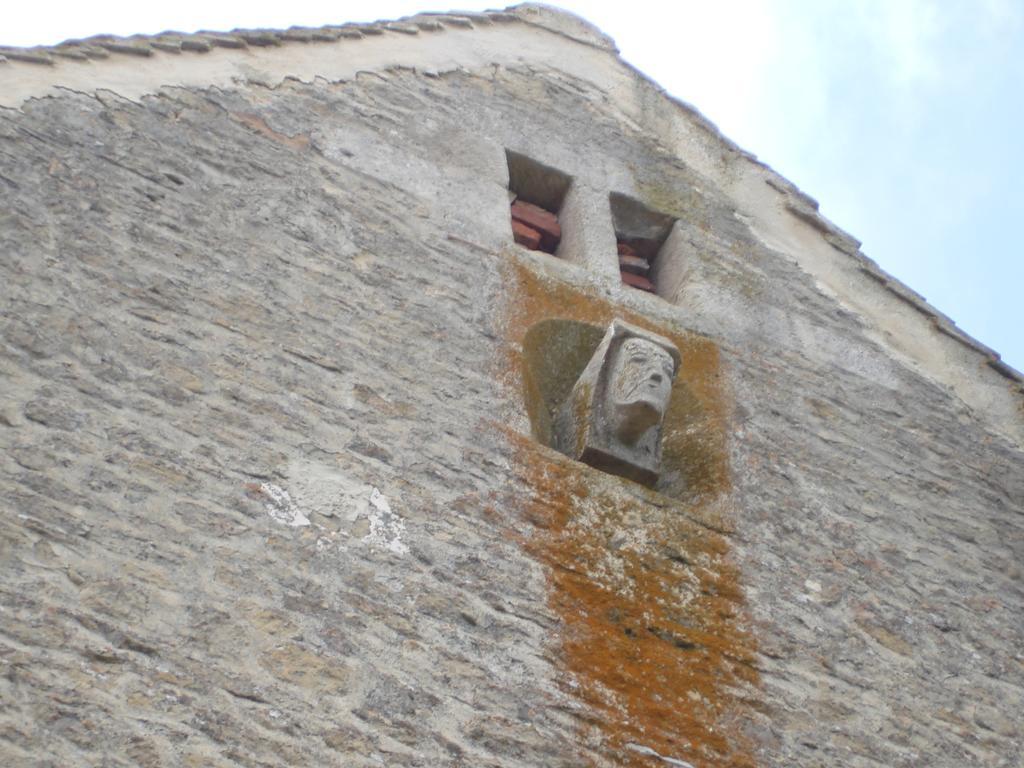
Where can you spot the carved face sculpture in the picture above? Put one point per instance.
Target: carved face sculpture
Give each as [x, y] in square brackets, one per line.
[612, 418]
[641, 382]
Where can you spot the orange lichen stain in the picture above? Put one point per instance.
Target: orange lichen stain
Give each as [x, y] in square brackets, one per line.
[652, 611]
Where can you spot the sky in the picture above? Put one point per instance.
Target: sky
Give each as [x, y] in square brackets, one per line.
[903, 118]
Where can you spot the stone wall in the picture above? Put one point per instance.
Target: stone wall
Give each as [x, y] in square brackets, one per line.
[271, 496]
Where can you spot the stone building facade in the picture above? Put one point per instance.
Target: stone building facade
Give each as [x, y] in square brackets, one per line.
[287, 319]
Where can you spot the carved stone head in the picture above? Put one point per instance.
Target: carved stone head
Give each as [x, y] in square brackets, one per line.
[612, 418]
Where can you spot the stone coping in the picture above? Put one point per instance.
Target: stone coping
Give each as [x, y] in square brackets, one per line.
[203, 41]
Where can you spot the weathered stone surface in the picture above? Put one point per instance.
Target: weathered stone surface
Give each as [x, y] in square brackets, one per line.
[226, 312]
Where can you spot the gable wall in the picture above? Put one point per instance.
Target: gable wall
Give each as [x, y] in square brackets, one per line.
[231, 308]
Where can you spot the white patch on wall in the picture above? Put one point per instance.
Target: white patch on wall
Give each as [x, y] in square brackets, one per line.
[386, 528]
[330, 495]
[280, 507]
